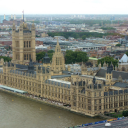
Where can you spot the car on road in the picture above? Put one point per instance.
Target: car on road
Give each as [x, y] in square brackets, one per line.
[107, 124]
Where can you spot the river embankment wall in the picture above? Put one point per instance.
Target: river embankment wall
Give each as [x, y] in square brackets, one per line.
[37, 99]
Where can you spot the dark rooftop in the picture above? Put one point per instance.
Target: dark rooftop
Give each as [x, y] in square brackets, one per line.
[116, 74]
[120, 84]
[60, 76]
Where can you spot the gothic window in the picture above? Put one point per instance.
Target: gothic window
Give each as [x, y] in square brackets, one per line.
[110, 77]
[60, 61]
[89, 101]
[29, 56]
[89, 107]
[24, 56]
[17, 43]
[24, 44]
[74, 103]
[95, 101]
[56, 61]
[29, 43]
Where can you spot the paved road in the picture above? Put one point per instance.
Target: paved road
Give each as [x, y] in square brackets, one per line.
[115, 124]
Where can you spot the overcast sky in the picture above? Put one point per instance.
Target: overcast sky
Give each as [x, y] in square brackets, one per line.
[64, 6]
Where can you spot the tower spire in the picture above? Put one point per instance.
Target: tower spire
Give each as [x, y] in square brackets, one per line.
[57, 41]
[23, 15]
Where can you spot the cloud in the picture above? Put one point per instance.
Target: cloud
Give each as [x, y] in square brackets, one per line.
[64, 7]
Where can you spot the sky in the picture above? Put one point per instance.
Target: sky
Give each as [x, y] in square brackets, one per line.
[64, 7]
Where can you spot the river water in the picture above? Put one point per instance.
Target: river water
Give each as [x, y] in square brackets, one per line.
[17, 112]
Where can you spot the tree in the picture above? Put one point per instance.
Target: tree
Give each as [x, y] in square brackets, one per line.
[6, 58]
[50, 54]
[108, 61]
[77, 56]
[39, 56]
[118, 45]
[84, 37]
[125, 113]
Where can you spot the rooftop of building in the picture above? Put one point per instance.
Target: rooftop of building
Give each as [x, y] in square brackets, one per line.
[102, 73]
[91, 58]
[121, 85]
[115, 92]
[58, 82]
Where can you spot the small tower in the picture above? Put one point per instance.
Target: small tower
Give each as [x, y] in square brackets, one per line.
[58, 61]
[99, 65]
[31, 67]
[46, 60]
[104, 65]
[109, 75]
[69, 69]
[83, 69]
[94, 91]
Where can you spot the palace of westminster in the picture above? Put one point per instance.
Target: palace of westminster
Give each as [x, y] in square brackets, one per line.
[96, 90]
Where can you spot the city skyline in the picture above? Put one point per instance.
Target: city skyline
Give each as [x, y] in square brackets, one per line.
[66, 7]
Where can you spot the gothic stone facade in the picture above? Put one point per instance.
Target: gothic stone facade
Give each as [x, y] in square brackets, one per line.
[86, 94]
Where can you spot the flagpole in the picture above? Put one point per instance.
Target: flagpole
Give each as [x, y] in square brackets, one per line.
[23, 15]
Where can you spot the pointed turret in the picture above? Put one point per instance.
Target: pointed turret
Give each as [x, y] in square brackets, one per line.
[57, 41]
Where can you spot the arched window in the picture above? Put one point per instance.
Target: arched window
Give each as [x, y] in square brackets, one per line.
[27, 56]
[24, 56]
[24, 44]
[29, 43]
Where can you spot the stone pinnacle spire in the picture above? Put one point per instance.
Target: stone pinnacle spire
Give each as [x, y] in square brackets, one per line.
[57, 41]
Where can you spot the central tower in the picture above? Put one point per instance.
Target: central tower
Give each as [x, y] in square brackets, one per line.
[58, 62]
[23, 44]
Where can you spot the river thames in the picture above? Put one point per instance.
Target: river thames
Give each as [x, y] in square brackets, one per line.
[17, 112]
